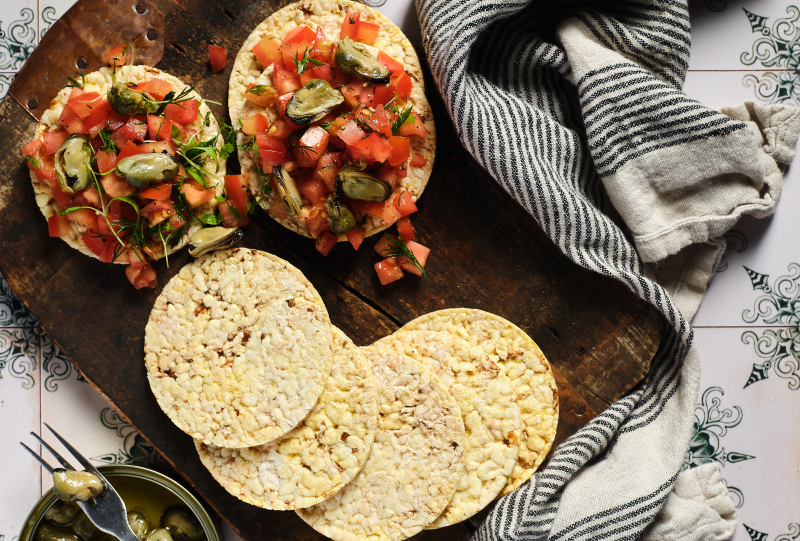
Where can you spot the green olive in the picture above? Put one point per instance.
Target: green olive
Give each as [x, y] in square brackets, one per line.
[127, 101]
[62, 513]
[355, 60]
[51, 532]
[340, 217]
[312, 102]
[142, 169]
[287, 191]
[85, 529]
[357, 184]
[138, 523]
[71, 163]
[71, 485]
[182, 522]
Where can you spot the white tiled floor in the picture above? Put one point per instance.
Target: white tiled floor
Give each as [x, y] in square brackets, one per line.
[751, 430]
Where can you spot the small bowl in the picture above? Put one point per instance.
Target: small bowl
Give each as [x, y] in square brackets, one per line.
[134, 475]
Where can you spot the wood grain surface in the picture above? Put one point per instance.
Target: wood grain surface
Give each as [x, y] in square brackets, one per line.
[487, 253]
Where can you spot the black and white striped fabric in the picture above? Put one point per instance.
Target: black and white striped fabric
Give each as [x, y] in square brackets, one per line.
[552, 121]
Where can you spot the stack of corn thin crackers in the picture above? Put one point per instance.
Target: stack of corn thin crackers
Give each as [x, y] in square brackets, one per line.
[421, 429]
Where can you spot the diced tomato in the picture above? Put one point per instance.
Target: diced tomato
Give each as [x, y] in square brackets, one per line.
[254, 124]
[156, 192]
[165, 133]
[154, 125]
[285, 81]
[322, 47]
[52, 140]
[100, 245]
[83, 103]
[367, 31]
[121, 137]
[158, 88]
[128, 149]
[63, 199]
[328, 167]
[405, 203]
[116, 186]
[350, 25]
[135, 128]
[405, 229]
[420, 253]
[282, 102]
[158, 211]
[281, 129]
[300, 34]
[325, 242]
[379, 147]
[181, 113]
[270, 158]
[401, 149]
[268, 51]
[320, 34]
[229, 218]
[320, 72]
[356, 237]
[388, 271]
[120, 55]
[33, 148]
[158, 146]
[381, 121]
[402, 84]
[311, 146]
[294, 53]
[266, 95]
[351, 133]
[69, 119]
[84, 218]
[141, 276]
[413, 127]
[106, 161]
[352, 93]
[136, 258]
[88, 197]
[313, 190]
[97, 120]
[195, 194]
[236, 190]
[388, 174]
[338, 77]
[390, 214]
[390, 63]
[418, 160]
[218, 56]
[385, 246]
[58, 226]
[268, 142]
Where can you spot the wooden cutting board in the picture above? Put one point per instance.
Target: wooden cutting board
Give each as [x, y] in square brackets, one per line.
[486, 252]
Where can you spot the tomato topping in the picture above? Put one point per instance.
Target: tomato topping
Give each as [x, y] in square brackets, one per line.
[229, 218]
[390, 63]
[70, 120]
[418, 160]
[58, 226]
[106, 161]
[164, 126]
[322, 47]
[236, 190]
[313, 190]
[270, 158]
[141, 276]
[158, 211]
[128, 149]
[268, 142]
[158, 146]
[100, 245]
[367, 31]
[300, 34]
[52, 140]
[356, 237]
[195, 194]
[181, 113]
[352, 93]
[254, 124]
[351, 133]
[320, 72]
[33, 148]
[294, 53]
[420, 253]
[119, 55]
[266, 96]
[350, 25]
[284, 81]
[136, 128]
[328, 167]
[281, 129]
[379, 148]
[401, 149]
[385, 246]
[218, 57]
[157, 192]
[158, 88]
[268, 51]
[405, 229]
[338, 77]
[325, 242]
[405, 203]
[85, 218]
[413, 126]
[388, 174]
[403, 85]
[311, 146]
[83, 103]
[99, 117]
[388, 271]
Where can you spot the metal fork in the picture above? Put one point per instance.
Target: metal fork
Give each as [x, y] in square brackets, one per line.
[106, 510]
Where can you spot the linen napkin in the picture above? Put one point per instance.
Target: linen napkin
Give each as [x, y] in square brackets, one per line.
[575, 109]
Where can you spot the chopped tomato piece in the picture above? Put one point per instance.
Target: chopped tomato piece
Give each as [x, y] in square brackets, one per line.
[300, 34]
[270, 158]
[320, 34]
[195, 194]
[385, 246]
[268, 51]
[338, 77]
[100, 245]
[158, 211]
[158, 88]
[141, 276]
[352, 93]
[58, 226]
[282, 129]
[405, 229]
[135, 128]
[413, 127]
[268, 142]
[382, 121]
[157, 192]
[236, 190]
[351, 133]
[388, 174]
[128, 149]
[313, 190]
[84, 218]
[418, 160]
[229, 215]
[311, 146]
[121, 137]
[405, 203]
[379, 147]
[262, 96]
[69, 119]
[322, 47]
[320, 72]
[350, 25]
[356, 237]
[158, 146]
[181, 113]
[99, 117]
[218, 56]
[52, 140]
[284, 80]
[63, 199]
[325, 242]
[388, 271]
[390, 63]
[106, 161]
[420, 253]
[83, 103]
[254, 124]
[119, 55]
[165, 132]
[328, 167]
[293, 53]
[367, 31]
[401, 149]
[403, 85]
[33, 148]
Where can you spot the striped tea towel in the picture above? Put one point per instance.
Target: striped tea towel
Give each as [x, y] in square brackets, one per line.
[575, 108]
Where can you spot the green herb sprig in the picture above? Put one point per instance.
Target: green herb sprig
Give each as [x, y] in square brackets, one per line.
[402, 249]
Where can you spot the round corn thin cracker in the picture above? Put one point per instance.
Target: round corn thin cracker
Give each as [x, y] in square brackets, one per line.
[238, 348]
[328, 14]
[317, 458]
[489, 409]
[101, 81]
[523, 362]
[416, 461]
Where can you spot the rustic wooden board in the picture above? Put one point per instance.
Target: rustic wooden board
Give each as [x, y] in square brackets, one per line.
[487, 253]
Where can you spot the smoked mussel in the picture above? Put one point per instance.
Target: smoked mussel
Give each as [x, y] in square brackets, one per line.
[127, 101]
[62, 513]
[72, 163]
[213, 238]
[358, 184]
[138, 523]
[182, 522]
[287, 191]
[85, 529]
[51, 532]
[142, 169]
[160, 534]
[355, 60]
[312, 102]
[340, 218]
[71, 485]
